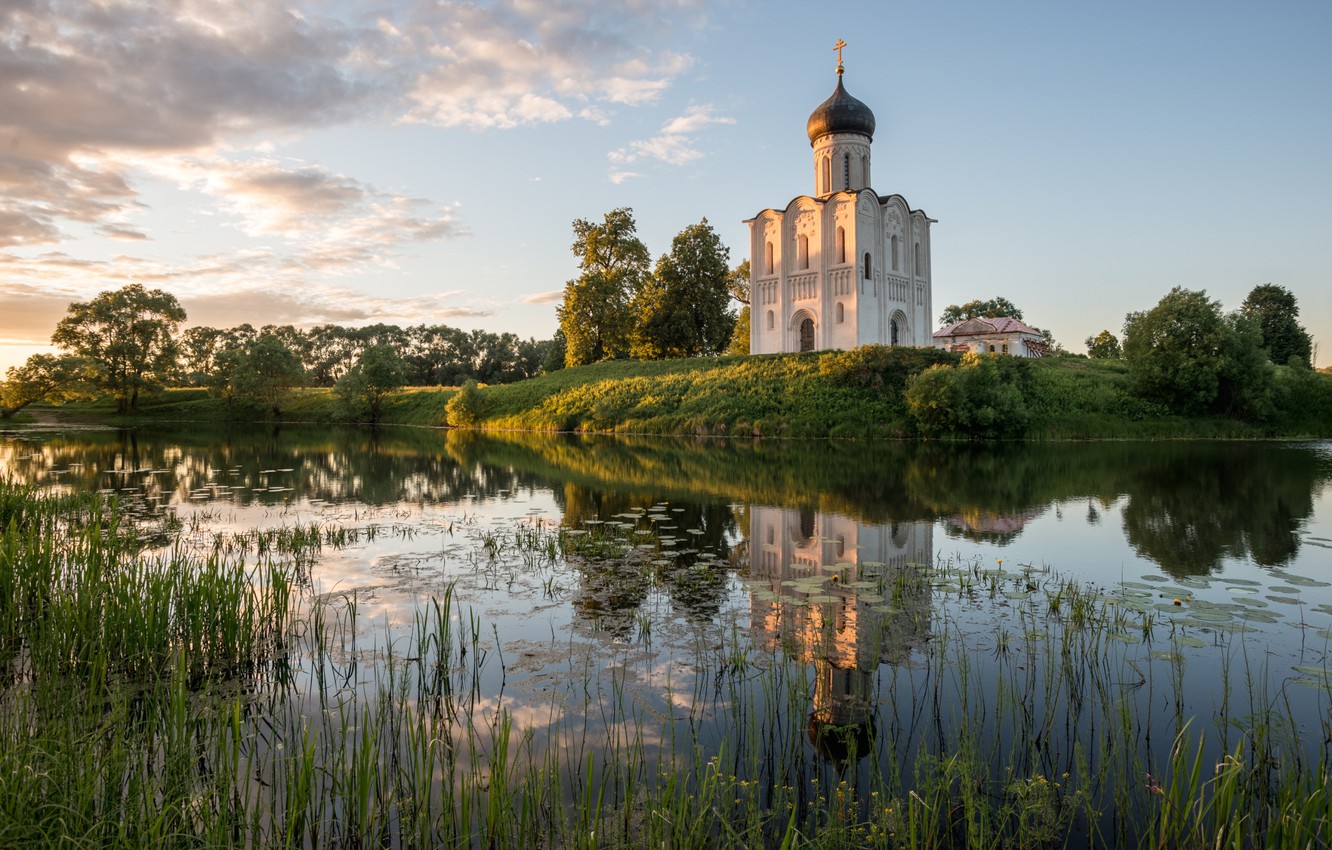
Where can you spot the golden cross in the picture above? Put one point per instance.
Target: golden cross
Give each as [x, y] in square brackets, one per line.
[838, 47]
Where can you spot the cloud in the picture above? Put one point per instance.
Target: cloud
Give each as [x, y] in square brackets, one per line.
[674, 145]
[87, 84]
[545, 297]
[521, 63]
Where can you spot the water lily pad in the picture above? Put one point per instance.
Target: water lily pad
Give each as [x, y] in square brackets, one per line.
[823, 599]
[1210, 616]
[1187, 640]
[1304, 681]
[1122, 637]
[1310, 670]
[1302, 581]
[1154, 577]
[1246, 582]
[1172, 657]
[1284, 600]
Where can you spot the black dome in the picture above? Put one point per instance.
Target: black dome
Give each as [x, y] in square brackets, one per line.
[840, 113]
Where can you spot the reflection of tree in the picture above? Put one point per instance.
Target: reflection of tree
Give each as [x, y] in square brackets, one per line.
[242, 464]
[692, 573]
[1201, 503]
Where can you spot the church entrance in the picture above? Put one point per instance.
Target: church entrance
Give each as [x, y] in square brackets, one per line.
[807, 335]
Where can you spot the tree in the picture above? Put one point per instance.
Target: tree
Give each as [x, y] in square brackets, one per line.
[992, 308]
[466, 407]
[974, 399]
[1103, 346]
[379, 371]
[1275, 309]
[129, 336]
[595, 314]
[44, 377]
[266, 372]
[1184, 353]
[682, 308]
[738, 283]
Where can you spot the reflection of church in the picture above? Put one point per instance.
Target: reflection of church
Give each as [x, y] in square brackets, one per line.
[844, 266]
[852, 620]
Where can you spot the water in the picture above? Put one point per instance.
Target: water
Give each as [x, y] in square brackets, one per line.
[736, 556]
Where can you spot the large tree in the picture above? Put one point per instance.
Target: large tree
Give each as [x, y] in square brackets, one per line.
[1184, 353]
[379, 371]
[44, 377]
[979, 309]
[595, 315]
[682, 308]
[129, 336]
[1276, 312]
[266, 372]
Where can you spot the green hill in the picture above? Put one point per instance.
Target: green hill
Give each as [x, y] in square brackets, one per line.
[856, 393]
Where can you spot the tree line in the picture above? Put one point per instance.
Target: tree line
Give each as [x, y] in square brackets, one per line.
[127, 343]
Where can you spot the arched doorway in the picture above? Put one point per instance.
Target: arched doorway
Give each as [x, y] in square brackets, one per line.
[807, 334]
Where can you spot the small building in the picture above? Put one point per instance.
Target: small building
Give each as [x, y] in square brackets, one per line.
[998, 335]
[844, 266]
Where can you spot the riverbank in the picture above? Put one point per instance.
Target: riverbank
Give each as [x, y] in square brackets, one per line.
[858, 394]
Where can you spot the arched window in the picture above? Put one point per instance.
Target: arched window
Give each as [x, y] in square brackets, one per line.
[992, 349]
[802, 251]
[807, 335]
[825, 175]
[841, 312]
[1005, 348]
[892, 331]
[767, 257]
[869, 271]
[846, 171]
[916, 261]
[772, 320]
[896, 263]
[841, 245]
[864, 170]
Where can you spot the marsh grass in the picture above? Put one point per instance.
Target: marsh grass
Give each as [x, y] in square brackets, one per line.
[188, 699]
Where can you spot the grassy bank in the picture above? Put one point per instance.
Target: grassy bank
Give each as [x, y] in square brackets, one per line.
[828, 394]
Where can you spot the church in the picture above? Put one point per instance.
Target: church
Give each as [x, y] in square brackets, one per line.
[844, 266]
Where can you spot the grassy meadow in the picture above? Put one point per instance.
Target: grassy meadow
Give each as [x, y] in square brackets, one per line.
[857, 394]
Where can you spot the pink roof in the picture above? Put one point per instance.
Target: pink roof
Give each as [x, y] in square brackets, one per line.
[980, 327]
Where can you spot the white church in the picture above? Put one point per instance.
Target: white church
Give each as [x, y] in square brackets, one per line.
[844, 266]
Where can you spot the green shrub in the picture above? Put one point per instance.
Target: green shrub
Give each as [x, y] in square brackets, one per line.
[977, 399]
[466, 408]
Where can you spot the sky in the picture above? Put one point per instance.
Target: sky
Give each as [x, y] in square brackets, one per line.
[422, 161]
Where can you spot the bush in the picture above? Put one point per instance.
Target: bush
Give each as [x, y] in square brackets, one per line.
[882, 367]
[973, 400]
[467, 407]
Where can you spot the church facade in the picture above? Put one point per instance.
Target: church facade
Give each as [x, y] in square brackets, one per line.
[844, 266]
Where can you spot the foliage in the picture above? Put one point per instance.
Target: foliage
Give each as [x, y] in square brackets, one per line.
[1275, 309]
[974, 399]
[379, 371]
[1103, 346]
[595, 315]
[43, 377]
[128, 335]
[466, 407]
[555, 352]
[265, 372]
[991, 308]
[1187, 356]
[681, 308]
[739, 343]
[881, 367]
[738, 284]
